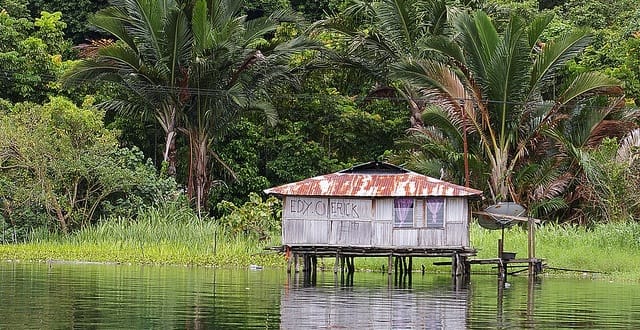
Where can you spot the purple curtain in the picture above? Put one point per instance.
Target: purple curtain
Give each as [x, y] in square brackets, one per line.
[403, 208]
[434, 206]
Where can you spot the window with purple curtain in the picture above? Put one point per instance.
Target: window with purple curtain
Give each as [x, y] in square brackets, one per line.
[435, 212]
[403, 212]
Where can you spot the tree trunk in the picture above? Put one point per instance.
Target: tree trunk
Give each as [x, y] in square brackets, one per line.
[199, 181]
[500, 176]
[170, 156]
[416, 114]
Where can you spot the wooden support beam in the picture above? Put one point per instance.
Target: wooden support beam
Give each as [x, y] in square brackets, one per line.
[532, 247]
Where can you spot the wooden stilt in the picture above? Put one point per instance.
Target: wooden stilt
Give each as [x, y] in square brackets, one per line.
[532, 247]
[352, 268]
[454, 264]
[395, 270]
[502, 267]
[314, 269]
[410, 270]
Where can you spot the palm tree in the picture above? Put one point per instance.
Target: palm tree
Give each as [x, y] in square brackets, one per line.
[196, 65]
[495, 88]
[149, 59]
[380, 33]
[233, 71]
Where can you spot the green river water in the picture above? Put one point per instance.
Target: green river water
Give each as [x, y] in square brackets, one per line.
[103, 296]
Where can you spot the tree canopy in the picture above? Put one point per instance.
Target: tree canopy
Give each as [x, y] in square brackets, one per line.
[528, 101]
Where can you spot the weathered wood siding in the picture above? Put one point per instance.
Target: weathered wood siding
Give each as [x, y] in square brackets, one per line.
[350, 233]
[366, 222]
[457, 222]
[383, 209]
[405, 237]
[381, 234]
[432, 237]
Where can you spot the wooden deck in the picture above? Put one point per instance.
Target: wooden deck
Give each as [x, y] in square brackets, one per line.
[356, 251]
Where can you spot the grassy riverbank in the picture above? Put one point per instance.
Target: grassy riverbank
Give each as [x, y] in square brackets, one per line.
[610, 250]
[170, 236]
[165, 236]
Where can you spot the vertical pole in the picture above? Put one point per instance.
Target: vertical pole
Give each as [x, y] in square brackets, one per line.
[454, 261]
[410, 270]
[305, 266]
[464, 264]
[502, 269]
[342, 269]
[395, 270]
[532, 246]
[337, 263]
[465, 147]
[389, 269]
[314, 269]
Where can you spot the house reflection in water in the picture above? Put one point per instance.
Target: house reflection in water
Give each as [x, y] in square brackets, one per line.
[372, 308]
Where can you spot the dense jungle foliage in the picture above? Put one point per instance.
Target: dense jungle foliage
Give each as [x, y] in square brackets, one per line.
[111, 108]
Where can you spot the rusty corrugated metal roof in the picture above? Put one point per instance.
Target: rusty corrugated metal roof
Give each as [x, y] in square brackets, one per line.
[368, 183]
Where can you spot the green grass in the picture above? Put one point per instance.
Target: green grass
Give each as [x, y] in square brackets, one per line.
[175, 236]
[165, 236]
[613, 250]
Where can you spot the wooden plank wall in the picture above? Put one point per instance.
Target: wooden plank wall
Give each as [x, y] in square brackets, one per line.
[350, 233]
[457, 222]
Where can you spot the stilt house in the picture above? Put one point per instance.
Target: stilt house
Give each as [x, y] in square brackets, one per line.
[375, 209]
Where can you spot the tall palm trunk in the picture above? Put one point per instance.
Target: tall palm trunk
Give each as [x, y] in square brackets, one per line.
[199, 181]
[167, 120]
[500, 175]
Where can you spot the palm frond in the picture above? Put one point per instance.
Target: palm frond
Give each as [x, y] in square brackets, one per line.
[449, 125]
[443, 45]
[554, 55]
[146, 26]
[398, 21]
[435, 14]
[179, 46]
[110, 63]
[629, 150]
[479, 39]
[544, 207]
[537, 27]
[590, 83]
[201, 26]
[507, 76]
[113, 20]
[267, 109]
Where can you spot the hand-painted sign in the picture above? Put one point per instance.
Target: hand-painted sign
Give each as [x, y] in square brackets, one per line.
[327, 208]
